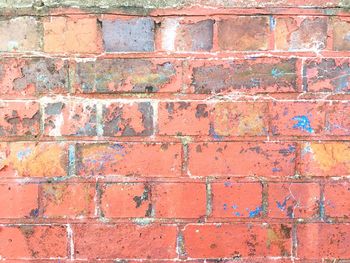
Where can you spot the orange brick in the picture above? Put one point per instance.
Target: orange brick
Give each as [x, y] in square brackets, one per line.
[337, 199]
[18, 200]
[179, 200]
[338, 119]
[293, 200]
[225, 159]
[341, 28]
[68, 200]
[72, 34]
[231, 199]
[126, 200]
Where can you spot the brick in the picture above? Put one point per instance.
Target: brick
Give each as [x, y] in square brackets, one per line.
[327, 75]
[135, 119]
[338, 118]
[301, 33]
[225, 159]
[20, 34]
[337, 199]
[18, 200]
[237, 240]
[186, 118]
[179, 200]
[258, 75]
[187, 34]
[33, 242]
[128, 35]
[124, 241]
[67, 200]
[33, 76]
[70, 118]
[30, 159]
[324, 159]
[72, 35]
[297, 118]
[236, 200]
[293, 200]
[316, 241]
[113, 76]
[129, 159]
[243, 33]
[126, 200]
[341, 29]
[19, 118]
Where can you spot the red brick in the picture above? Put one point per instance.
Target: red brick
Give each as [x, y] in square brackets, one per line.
[326, 75]
[113, 76]
[341, 28]
[30, 159]
[72, 34]
[179, 34]
[297, 118]
[129, 159]
[179, 200]
[316, 241]
[126, 200]
[324, 159]
[243, 33]
[134, 119]
[18, 200]
[231, 199]
[237, 240]
[68, 200]
[293, 200]
[75, 118]
[225, 158]
[33, 242]
[337, 199]
[124, 241]
[19, 119]
[301, 33]
[338, 118]
[258, 75]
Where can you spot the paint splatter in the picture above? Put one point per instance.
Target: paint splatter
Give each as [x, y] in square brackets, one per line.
[277, 73]
[303, 123]
[256, 212]
[23, 154]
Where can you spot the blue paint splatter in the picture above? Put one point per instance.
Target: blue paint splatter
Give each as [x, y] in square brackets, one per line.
[225, 206]
[237, 213]
[234, 206]
[275, 169]
[277, 73]
[213, 133]
[303, 123]
[23, 154]
[255, 212]
[282, 206]
[272, 23]
[227, 184]
[71, 154]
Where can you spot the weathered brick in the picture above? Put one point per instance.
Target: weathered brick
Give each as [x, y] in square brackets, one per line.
[65, 117]
[231, 199]
[67, 200]
[327, 75]
[135, 119]
[19, 118]
[33, 242]
[324, 159]
[338, 118]
[243, 33]
[341, 29]
[18, 200]
[30, 159]
[129, 159]
[127, 75]
[258, 75]
[187, 34]
[301, 33]
[73, 34]
[297, 118]
[126, 200]
[337, 199]
[316, 241]
[179, 200]
[128, 35]
[293, 200]
[20, 34]
[124, 241]
[237, 240]
[225, 159]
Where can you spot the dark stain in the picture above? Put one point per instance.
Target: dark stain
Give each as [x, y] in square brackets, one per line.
[145, 195]
[34, 212]
[170, 107]
[198, 149]
[54, 108]
[201, 111]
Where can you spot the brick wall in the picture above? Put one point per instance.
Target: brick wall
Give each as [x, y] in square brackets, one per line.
[197, 134]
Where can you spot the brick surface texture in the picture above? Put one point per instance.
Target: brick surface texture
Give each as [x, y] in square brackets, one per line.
[195, 131]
